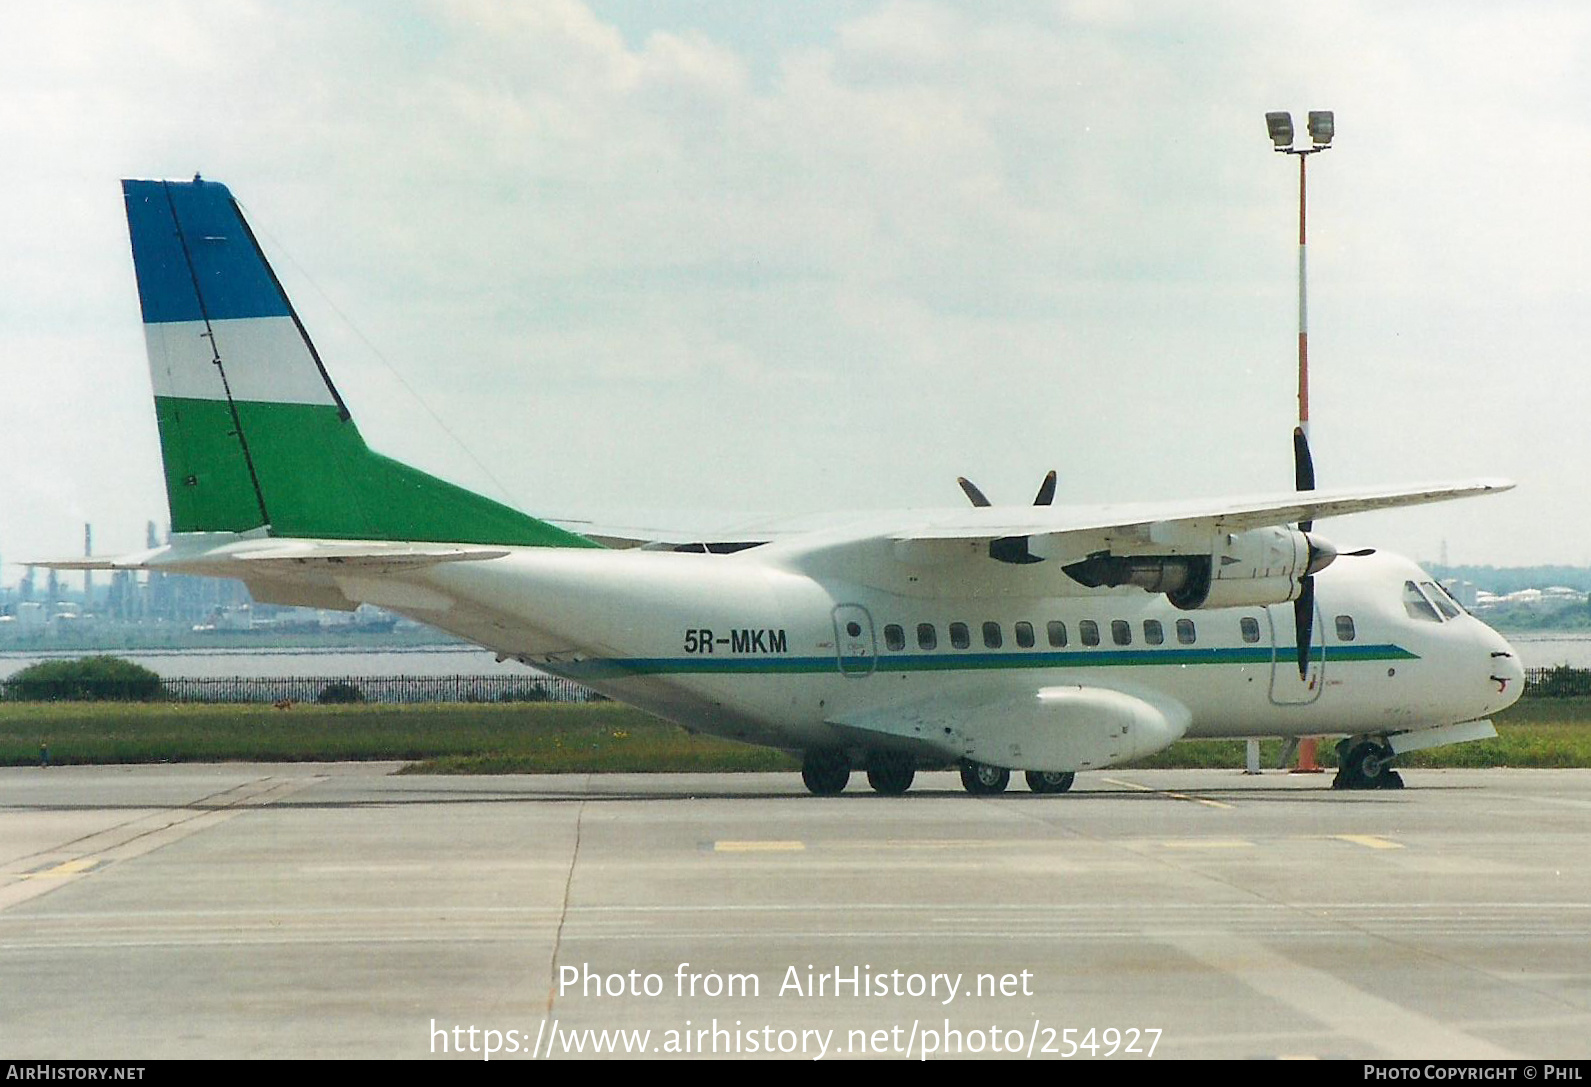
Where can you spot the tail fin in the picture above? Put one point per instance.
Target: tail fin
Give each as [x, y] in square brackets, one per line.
[252, 430]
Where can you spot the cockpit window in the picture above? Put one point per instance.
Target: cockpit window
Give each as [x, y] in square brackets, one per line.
[1448, 606]
[1416, 605]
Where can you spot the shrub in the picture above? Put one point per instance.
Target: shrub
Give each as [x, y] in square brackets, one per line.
[534, 692]
[339, 693]
[86, 679]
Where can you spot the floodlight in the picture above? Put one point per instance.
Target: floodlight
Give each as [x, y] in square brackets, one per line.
[1320, 126]
[1281, 126]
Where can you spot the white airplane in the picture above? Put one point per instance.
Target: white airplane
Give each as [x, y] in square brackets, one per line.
[1040, 638]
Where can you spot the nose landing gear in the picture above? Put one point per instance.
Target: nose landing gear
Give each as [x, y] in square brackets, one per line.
[1365, 764]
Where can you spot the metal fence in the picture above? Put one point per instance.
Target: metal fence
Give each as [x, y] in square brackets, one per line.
[379, 689]
[1559, 682]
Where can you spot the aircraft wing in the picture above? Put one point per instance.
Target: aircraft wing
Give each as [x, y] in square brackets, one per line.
[1158, 522]
[882, 549]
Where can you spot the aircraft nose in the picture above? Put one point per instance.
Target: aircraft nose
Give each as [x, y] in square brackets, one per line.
[1507, 675]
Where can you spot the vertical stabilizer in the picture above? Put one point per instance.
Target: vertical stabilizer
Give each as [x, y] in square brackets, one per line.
[252, 431]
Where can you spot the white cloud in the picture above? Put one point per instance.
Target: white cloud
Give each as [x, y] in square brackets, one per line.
[939, 238]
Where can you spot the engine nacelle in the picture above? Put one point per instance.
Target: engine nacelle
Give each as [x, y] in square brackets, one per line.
[1242, 569]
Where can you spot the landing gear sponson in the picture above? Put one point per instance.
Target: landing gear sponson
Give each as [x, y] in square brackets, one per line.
[1365, 763]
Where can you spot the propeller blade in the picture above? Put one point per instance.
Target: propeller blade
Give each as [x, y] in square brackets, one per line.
[1361, 553]
[1046, 493]
[1304, 622]
[970, 489]
[1303, 463]
[1303, 470]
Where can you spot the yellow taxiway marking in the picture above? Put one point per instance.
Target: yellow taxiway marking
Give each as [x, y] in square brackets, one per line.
[1208, 843]
[60, 871]
[1369, 841]
[1163, 792]
[758, 847]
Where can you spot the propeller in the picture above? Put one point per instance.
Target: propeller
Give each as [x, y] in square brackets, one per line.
[1011, 549]
[1045, 497]
[1304, 606]
[975, 496]
[1046, 494]
[1321, 555]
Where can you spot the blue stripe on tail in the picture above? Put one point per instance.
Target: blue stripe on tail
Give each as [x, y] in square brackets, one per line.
[213, 247]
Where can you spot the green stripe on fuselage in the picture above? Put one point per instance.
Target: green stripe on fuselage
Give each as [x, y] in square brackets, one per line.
[319, 480]
[963, 662]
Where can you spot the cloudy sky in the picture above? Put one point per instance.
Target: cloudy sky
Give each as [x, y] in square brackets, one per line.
[602, 256]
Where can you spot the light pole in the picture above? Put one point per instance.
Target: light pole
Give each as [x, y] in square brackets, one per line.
[1321, 130]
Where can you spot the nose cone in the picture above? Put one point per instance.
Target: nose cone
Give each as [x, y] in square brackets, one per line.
[1506, 678]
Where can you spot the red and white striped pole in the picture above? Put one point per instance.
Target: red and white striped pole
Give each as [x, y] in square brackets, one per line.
[1307, 761]
[1321, 129]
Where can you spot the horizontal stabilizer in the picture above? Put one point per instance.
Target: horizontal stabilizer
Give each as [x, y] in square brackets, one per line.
[260, 558]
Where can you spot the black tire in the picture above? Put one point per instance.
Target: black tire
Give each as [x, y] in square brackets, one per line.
[1050, 781]
[825, 773]
[891, 775]
[980, 779]
[1367, 765]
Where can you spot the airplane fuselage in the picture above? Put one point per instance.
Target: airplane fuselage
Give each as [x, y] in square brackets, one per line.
[743, 647]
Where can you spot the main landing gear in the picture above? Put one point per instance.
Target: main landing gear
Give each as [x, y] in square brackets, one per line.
[1049, 781]
[1365, 764]
[825, 773]
[891, 773]
[981, 779]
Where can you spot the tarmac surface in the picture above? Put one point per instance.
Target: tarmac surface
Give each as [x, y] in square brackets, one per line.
[339, 910]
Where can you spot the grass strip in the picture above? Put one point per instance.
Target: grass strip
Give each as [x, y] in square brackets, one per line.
[595, 738]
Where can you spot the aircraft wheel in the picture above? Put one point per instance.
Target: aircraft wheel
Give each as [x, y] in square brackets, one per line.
[1050, 781]
[891, 774]
[825, 773]
[1367, 765]
[980, 779]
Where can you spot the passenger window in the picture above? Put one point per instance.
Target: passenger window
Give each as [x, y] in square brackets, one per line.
[1251, 628]
[1345, 631]
[1057, 633]
[927, 636]
[1121, 632]
[1187, 633]
[992, 639]
[1024, 635]
[894, 638]
[1088, 630]
[1416, 605]
[1153, 633]
[1440, 599]
[959, 637]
